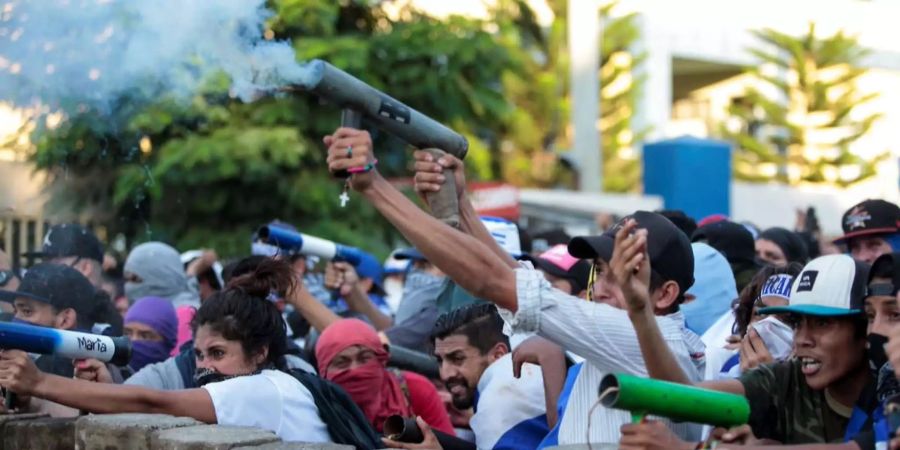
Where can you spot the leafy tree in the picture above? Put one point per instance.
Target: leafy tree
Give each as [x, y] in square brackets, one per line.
[208, 172]
[798, 124]
[538, 127]
[620, 90]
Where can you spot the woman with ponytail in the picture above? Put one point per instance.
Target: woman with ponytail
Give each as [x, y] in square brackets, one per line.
[239, 342]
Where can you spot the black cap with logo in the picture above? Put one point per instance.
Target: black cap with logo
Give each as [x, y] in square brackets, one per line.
[69, 239]
[870, 217]
[669, 248]
[57, 285]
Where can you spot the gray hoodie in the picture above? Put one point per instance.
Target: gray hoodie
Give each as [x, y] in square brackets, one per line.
[162, 273]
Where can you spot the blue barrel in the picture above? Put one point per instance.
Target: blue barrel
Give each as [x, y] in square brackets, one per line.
[690, 174]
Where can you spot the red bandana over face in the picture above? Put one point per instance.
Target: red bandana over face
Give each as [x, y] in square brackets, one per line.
[373, 388]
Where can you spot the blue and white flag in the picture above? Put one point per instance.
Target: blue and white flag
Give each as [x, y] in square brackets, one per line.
[510, 412]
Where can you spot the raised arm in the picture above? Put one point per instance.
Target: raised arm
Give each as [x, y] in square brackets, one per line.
[430, 178]
[19, 374]
[342, 276]
[630, 269]
[466, 260]
[317, 314]
[552, 359]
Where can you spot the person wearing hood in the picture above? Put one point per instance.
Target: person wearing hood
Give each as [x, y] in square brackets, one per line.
[779, 247]
[154, 269]
[350, 354]
[152, 326]
[713, 291]
[418, 306]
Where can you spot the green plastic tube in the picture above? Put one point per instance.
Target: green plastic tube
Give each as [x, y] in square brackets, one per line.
[680, 403]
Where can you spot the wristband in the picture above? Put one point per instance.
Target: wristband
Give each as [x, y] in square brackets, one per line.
[364, 169]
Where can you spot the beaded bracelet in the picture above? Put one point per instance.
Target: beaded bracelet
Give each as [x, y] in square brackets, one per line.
[367, 168]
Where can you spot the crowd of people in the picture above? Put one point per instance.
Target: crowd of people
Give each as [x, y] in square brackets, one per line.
[481, 336]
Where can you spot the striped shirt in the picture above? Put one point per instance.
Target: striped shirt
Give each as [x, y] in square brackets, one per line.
[605, 337]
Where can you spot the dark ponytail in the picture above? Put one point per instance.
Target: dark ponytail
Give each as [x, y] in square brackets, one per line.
[243, 312]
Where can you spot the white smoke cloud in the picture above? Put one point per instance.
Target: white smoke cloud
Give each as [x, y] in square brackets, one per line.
[89, 52]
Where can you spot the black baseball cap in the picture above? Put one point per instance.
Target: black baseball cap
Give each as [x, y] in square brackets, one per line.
[731, 239]
[886, 263]
[69, 239]
[57, 285]
[558, 262]
[870, 217]
[669, 248]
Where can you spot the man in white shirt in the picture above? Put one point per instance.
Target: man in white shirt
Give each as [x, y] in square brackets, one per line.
[600, 333]
[476, 367]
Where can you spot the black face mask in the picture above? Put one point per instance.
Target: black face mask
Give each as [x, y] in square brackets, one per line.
[204, 376]
[875, 352]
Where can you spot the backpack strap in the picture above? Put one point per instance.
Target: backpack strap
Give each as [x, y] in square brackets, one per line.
[345, 421]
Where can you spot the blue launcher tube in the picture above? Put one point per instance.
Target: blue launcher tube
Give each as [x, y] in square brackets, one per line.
[68, 344]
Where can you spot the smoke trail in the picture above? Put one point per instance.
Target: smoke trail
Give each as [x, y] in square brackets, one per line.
[90, 52]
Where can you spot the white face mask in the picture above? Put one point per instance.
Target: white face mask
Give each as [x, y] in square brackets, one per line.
[778, 337]
[393, 289]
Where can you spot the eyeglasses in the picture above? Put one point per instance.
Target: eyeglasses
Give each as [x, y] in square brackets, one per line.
[6, 276]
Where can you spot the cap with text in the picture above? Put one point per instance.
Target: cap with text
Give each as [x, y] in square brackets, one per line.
[831, 285]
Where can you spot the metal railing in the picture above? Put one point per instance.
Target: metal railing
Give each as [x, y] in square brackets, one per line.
[21, 234]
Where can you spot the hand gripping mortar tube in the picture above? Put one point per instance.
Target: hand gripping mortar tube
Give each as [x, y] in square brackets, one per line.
[678, 402]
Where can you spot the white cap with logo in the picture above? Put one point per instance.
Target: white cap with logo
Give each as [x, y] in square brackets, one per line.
[831, 285]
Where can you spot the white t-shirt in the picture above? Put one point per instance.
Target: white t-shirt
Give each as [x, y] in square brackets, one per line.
[271, 400]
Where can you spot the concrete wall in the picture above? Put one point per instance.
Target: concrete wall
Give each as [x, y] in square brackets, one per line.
[136, 432]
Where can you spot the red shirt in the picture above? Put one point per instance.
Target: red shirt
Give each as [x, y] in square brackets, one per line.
[427, 403]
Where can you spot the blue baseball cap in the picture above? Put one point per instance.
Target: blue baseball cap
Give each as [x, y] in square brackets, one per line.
[369, 267]
[410, 253]
[394, 265]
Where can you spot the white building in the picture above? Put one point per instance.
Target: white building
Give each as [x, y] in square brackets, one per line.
[697, 50]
